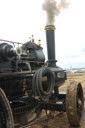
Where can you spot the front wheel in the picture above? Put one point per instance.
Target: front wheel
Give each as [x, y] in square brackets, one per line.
[75, 104]
[6, 117]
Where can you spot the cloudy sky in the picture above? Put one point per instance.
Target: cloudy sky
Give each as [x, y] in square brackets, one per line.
[19, 19]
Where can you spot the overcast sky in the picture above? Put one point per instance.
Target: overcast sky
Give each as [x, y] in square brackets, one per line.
[19, 19]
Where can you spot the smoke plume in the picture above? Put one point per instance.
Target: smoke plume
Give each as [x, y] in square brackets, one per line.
[53, 8]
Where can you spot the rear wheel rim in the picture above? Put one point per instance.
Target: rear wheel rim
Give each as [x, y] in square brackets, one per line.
[6, 117]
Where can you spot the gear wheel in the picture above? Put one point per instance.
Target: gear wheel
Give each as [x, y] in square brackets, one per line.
[6, 117]
[75, 104]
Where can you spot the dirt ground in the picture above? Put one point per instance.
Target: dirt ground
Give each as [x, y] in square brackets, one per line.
[60, 120]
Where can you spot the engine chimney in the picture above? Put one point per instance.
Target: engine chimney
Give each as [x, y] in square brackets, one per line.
[50, 37]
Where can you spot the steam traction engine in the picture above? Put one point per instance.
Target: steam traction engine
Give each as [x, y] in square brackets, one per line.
[28, 84]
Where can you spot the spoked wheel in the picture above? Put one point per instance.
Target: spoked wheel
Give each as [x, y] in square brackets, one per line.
[6, 118]
[75, 104]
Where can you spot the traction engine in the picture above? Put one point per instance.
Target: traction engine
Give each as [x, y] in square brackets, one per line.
[28, 84]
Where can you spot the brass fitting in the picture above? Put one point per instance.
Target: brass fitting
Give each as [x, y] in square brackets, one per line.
[39, 42]
[27, 51]
[50, 27]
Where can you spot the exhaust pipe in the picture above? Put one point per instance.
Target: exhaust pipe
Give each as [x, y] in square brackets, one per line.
[50, 37]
